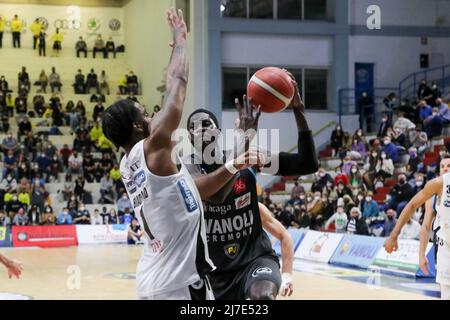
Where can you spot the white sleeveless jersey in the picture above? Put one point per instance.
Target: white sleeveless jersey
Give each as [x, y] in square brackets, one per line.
[170, 211]
[443, 210]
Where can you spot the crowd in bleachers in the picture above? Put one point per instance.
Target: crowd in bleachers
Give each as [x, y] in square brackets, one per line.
[32, 163]
[377, 175]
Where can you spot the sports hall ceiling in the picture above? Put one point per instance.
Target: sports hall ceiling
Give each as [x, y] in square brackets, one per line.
[82, 3]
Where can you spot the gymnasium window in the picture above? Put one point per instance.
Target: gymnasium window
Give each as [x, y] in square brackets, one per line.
[320, 10]
[312, 84]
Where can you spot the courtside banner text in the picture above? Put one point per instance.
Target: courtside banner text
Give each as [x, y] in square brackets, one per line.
[44, 236]
[102, 234]
[318, 246]
[403, 261]
[5, 237]
[357, 251]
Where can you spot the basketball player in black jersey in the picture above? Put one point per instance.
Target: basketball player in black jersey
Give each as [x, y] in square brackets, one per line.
[247, 266]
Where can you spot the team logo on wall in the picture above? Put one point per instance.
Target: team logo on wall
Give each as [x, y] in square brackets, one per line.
[114, 24]
[44, 22]
[65, 24]
[94, 24]
[362, 75]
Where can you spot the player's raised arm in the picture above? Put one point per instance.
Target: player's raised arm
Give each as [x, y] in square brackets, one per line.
[275, 228]
[431, 188]
[305, 160]
[168, 119]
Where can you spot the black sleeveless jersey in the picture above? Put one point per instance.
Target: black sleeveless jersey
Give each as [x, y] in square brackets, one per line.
[233, 228]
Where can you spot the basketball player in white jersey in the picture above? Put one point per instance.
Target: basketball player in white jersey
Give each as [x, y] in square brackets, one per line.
[14, 268]
[165, 198]
[440, 187]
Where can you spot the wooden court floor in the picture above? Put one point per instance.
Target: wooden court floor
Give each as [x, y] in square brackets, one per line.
[107, 273]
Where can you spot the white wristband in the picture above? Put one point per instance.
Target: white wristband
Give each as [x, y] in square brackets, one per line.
[230, 167]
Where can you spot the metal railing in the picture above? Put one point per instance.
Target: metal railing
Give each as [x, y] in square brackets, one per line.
[408, 86]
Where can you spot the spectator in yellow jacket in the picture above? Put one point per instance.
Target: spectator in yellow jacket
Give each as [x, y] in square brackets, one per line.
[16, 30]
[2, 28]
[96, 132]
[35, 28]
[104, 144]
[57, 39]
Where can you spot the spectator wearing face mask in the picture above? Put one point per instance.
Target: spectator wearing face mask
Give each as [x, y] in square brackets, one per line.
[34, 216]
[295, 192]
[96, 218]
[419, 140]
[302, 218]
[436, 93]
[400, 194]
[20, 219]
[390, 149]
[38, 194]
[419, 183]
[414, 163]
[433, 124]
[339, 219]
[135, 233]
[424, 110]
[124, 203]
[81, 216]
[355, 177]
[347, 165]
[356, 224]
[404, 124]
[358, 149]
[397, 137]
[444, 111]
[389, 223]
[64, 218]
[13, 205]
[48, 217]
[343, 190]
[315, 208]
[370, 207]
[337, 137]
[322, 178]
[5, 221]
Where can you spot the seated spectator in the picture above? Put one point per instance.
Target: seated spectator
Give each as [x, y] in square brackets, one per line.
[75, 163]
[92, 82]
[20, 219]
[410, 231]
[98, 111]
[296, 191]
[341, 177]
[347, 165]
[397, 137]
[419, 140]
[21, 104]
[48, 217]
[9, 104]
[99, 46]
[356, 224]
[343, 190]
[400, 194]
[79, 85]
[104, 145]
[132, 83]
[81, 46]
[106, 189]
[81, 138]
[4, 86]
[89, 167]
[79, 187]
[43, 81]
[38, 104]
[315, 208]
[9, 143]
[24, 198]
[13, 205]
[110, 47]
[404, 124]
[104, 85]
[64, 218]
[358, 150]
[55, 80]
[424, 110]
[10, 164]
[384, 125]
[444, 111]
[123, 87]
[113, 218]
[135, 233]
[24, 127]
[433, 124]
[414, 162]
[38, 195]
[24, 78]
[65, 153]
[390, 149]
[34, 216]
[114, 173]
[81, 216]
[5, 221]
[127, 216]
[96, 218]
[124, 203]
[355, 177]
[156, 109]
[370, 207]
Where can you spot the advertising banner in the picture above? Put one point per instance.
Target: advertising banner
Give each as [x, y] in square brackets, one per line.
[102, 234]
[44, 236]
[297, 236]
[404, 261]
[5, 237]
[318, 246]
[357, 251]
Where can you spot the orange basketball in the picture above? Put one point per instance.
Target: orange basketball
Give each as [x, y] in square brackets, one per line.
[272, 89]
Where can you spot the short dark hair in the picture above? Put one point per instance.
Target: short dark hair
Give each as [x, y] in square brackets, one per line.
[212, 115]
[117, 121]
